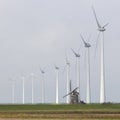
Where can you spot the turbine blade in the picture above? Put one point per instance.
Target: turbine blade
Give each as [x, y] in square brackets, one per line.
[96, 17]
[96, 44]
[67, 94]
[67, 61]
[84, 65]
[74, 52]
[79, 49]
[76, 66]
[75, 89]
[64, 69]
[82, 39]
[105, 25]
[89, 38]
[40, 69]
[56, 67]
[71, 92]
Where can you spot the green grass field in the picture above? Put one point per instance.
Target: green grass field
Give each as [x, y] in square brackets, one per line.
[60, 112]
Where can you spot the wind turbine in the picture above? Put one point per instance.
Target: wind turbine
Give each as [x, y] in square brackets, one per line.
[23, 91]
[32, 78]
[87, 46]
[101, 30]
[68, 79]
[57, 82]
[43, 85]
[13, 90]
[77, 55]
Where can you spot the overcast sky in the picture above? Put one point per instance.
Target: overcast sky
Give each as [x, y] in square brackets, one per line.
[37, 33]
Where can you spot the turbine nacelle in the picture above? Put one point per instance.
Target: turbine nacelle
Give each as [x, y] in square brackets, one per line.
[86, 44]
[57, 68]
[76, 54]
[42, 71]
[67, 62]
[101, 29]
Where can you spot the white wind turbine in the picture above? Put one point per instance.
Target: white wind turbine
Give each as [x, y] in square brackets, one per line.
[87, 46]
[13, 90]
[43, 85]
[57, 84]
[68, 79]
[23, 89]
[77, 55]
[32, 78]
[101, 30]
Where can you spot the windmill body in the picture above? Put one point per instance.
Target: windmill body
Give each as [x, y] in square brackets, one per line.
[101, 30]
[57, 84]
[87, 46]
[74, 96]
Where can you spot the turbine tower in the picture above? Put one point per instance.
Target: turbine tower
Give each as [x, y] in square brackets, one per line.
[43, 86]
[32, 78]
[68, 79]
[77, 55]
[13, 90]
[101, 30]
[57, 82]
[23, 91]
[87, 46]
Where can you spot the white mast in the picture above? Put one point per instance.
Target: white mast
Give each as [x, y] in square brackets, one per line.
[68, 81]
[23, 80]
[78, 74]
[32, 80]
[102, 82]
[57, 87]
[13, 91]
[88, 97]
[43, 86]
[43, 89]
